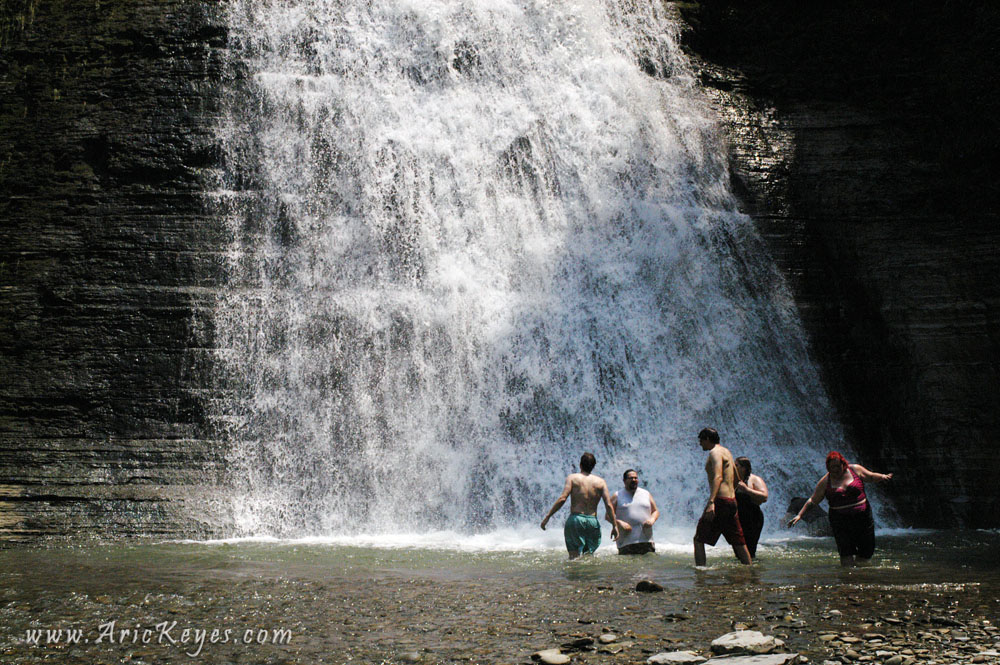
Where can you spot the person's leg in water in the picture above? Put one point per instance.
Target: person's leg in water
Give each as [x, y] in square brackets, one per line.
[705, 532]
[743, 554]
[865, 538]
[728, 522]
[855, 537]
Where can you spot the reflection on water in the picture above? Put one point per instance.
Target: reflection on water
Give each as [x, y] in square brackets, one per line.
[903, 559]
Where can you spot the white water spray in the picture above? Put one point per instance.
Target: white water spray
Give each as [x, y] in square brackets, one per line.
[472, 240]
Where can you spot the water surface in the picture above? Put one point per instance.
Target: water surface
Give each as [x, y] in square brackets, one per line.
[456, 600]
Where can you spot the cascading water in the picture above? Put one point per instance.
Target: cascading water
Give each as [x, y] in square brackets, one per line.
[473, 239]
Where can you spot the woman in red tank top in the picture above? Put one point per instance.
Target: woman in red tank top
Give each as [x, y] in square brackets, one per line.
[843, 488]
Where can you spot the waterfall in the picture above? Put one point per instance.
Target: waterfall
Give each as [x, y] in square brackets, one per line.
[470, 240]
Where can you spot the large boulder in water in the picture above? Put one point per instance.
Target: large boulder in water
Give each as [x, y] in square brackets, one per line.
[814, 522]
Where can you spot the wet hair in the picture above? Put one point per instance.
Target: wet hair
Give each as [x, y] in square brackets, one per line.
[834, 455]
[628, 471]
[709, 434]
[744, 462]
[588, 462]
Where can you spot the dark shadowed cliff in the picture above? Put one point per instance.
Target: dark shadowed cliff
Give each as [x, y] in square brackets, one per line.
[107, 263]
[864, 138]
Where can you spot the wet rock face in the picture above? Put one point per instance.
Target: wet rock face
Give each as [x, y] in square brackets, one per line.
[860, 136]
[108, 257]
[863, 143]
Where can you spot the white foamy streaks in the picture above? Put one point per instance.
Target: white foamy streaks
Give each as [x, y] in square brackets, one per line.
[471, 240]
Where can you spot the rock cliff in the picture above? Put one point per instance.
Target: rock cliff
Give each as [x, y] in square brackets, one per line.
[862, 140]
[107, 262]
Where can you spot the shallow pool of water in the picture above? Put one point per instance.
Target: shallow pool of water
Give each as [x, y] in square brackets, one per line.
[348, 603]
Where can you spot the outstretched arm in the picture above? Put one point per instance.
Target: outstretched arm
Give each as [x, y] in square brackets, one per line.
[559, 502]
[813, 500]
[871, 475]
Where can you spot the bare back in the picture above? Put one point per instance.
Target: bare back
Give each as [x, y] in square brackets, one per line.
[720, 456]
[586, 491]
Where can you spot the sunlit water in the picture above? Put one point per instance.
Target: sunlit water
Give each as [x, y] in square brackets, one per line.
[471, 240]
[904, 559]
[449, 599]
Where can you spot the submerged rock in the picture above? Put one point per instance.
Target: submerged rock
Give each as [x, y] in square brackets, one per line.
[675, 657]
[579, 644]
[758, 659]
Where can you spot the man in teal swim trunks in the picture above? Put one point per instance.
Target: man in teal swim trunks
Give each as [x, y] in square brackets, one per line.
[585, 490]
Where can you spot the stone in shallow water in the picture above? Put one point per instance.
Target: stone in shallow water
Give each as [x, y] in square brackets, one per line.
[757, 659]
[675, 657]
[579, 644]
[648, 586]
[675, 616]
[550, 657]
[745, 641]
[607, 638]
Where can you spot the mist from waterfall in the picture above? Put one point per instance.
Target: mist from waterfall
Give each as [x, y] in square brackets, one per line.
[471, 240]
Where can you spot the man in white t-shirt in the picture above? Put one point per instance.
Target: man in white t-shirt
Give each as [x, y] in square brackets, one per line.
[635, 512]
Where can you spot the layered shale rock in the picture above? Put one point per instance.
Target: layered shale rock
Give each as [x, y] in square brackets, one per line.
[108, 263]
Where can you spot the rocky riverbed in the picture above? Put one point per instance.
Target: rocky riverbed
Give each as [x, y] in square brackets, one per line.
[318, 604]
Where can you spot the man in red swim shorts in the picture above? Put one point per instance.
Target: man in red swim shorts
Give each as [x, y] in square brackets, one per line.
[721, 516]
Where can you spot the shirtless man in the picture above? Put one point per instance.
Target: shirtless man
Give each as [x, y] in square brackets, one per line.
[720, 516]
[582, 530]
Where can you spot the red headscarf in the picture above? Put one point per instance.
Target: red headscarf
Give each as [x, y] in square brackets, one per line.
[834, 455]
